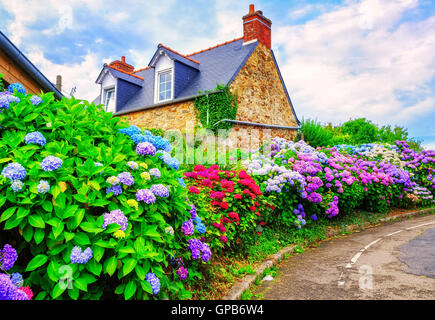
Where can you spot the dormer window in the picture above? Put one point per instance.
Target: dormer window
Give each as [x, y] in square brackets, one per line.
[165, 85]
[109, 101]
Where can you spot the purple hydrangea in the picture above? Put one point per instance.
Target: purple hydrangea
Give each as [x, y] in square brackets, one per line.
[4, 100]
[198, 248]
[43, 187]
[9, 291]
[145, 148]
[154, 282]
[77, 256]
[188, 228]
[146, 196]
[35, 100]
[117, 190]
[35, 138]
[132, 165]
[160, 190]
[155, 173]
[14, 171]
[51, 163]
[115, 216]
[183, 273]
[8, 256]
[192, 211]
[126, 178]
[18, 87]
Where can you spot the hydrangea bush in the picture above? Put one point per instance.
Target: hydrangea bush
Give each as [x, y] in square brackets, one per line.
[231, 203]
[83, 192]
[329, 181]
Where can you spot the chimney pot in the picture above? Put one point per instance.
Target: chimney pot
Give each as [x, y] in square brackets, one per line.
[251, 9]
[123, 59]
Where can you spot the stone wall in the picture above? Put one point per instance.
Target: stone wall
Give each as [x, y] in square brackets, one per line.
[169, 117]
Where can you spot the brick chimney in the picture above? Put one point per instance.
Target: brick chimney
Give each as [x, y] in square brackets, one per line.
[122, 65]
[257, 27]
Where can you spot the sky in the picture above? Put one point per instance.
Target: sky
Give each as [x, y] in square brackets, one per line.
[340, 60]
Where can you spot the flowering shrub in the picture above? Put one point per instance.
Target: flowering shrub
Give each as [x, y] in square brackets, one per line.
[232, 203]
[332, 180]
[77, 193]
[11, 285]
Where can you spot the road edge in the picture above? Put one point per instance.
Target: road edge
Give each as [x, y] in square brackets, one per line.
[246, 282]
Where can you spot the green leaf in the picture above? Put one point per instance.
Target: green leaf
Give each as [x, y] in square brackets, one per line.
[139, 245]
[95, 267]
[47, 206]
[110, 265]
[130, 290]
[55, 191]
[81, 239]
[39, 235]
[81, 284]
[28, 233]
[98, 253]
[146, 287]
[36, 262]
[140, 272]
[58, 290]
[74, 293]
[7, 213]
[128, 266]
[36, 221]
[127, 249]
[90, 227]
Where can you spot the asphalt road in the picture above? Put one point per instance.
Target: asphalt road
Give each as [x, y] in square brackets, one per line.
[392, 261]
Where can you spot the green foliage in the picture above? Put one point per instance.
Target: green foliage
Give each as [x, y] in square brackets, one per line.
[353, 132]
[219, 104]
[315, 134]
[46, 227]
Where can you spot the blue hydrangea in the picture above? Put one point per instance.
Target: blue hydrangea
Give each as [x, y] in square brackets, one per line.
[117, 190]
[77, 256]
[18, 87]
[130, 131]
[181, 182]
[200, 227]
[17, 279]
[154, 282]
[169, 161]
[35, 137]
[35, 100]
[14, 171]
[17, 185]
[51, 163]
[4, 100]
[43, 187]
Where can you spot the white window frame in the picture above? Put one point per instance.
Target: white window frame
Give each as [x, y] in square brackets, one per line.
[113, 98]
[157, 85]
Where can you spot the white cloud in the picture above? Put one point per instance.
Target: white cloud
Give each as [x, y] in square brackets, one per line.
[81, 75]
[353, 61]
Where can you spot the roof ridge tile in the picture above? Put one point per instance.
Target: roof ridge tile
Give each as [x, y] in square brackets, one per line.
[216, 46]
[130, 74]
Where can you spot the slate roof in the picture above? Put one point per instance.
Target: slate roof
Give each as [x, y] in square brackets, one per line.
[217, 65]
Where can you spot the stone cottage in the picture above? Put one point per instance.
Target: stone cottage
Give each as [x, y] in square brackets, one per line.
[162, 94]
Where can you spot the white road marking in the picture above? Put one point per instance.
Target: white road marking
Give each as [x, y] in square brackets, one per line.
[420, 225]
[391, 234]
[358, 255]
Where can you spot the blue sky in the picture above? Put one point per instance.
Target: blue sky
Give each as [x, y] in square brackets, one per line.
[339, 59]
